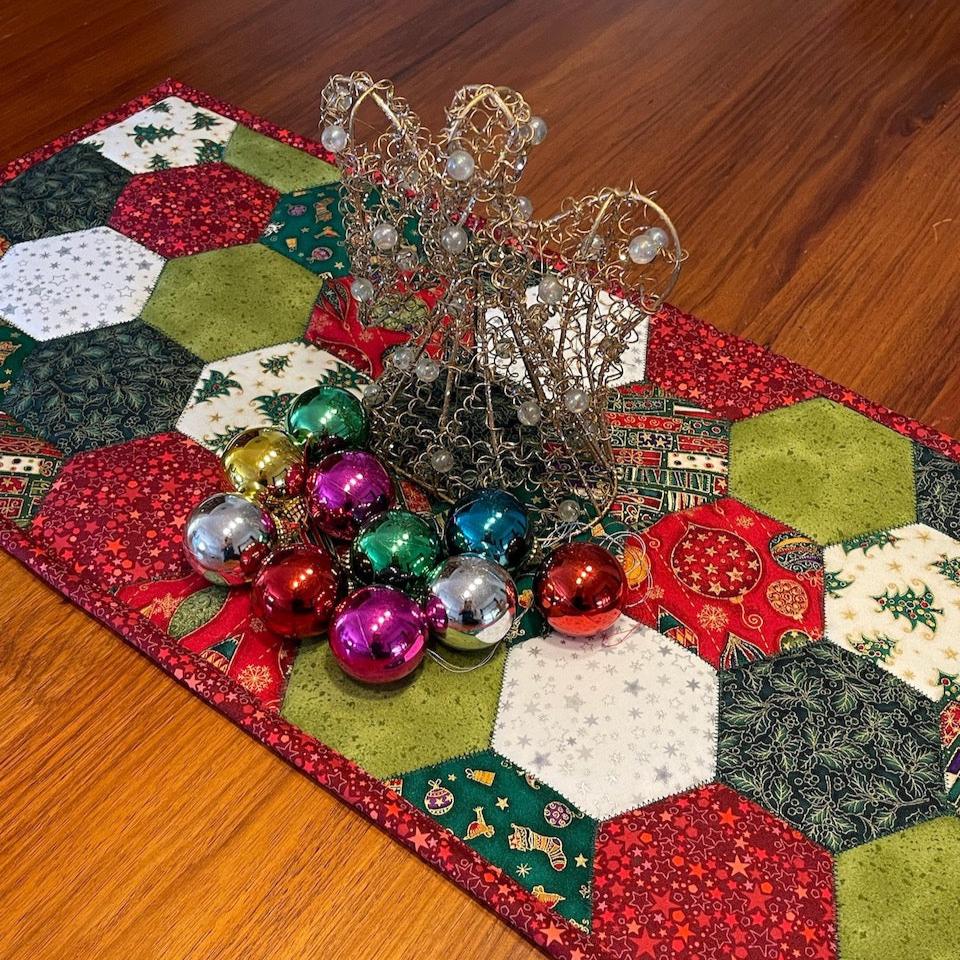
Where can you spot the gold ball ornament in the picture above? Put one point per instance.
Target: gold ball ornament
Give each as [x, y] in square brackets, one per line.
[265, 465]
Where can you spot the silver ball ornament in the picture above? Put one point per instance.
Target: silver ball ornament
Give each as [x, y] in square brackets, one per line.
[576, 400]
[460, 165]
[479, 599]
[538, 130]
[550, 290]
[362, 290]
[227, 537]
[441, 461]
[642, 249]
[385, 236]
[529, 413]
[427, 369]
[334, 138]
[453, 239]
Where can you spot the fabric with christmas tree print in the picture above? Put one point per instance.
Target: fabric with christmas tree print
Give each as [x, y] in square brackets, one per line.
[255, 389]
[169, 133]
[117, 513]
[514, 821]
[75, 282]
[27, 468]
[709, 874]
[730, 583]
[895, 599]
[217, 623]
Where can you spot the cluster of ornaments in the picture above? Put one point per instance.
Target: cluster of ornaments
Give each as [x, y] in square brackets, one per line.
[411, 583]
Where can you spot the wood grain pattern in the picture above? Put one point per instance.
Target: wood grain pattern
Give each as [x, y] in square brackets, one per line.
[809, 155]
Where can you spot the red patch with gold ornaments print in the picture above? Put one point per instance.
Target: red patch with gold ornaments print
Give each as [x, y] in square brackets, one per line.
[753, 763]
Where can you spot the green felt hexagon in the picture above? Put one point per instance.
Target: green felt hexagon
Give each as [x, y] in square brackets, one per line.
[229, 301]
[899, 897]
[823, 469]
[277, 164]
[436, 715]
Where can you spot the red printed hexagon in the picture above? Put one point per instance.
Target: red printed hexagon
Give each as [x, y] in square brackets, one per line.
[729, 583]
[708, 875]
[116, 514]
[187, 210]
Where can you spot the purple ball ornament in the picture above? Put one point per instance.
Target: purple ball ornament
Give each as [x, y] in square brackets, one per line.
[345, 490]
[379, 635]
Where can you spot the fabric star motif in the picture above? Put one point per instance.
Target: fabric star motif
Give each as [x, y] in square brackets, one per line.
[611, 722]
[117, 514]
[217, 623]
[73, 190]
[256, 388]
[187, 210]
[710, 874]
[730, 583]
[74, 282]
[27, 468]
[897, 603]
[670, 454]
[532, 833]
[835, 746]
[103, 387]
[170, 133]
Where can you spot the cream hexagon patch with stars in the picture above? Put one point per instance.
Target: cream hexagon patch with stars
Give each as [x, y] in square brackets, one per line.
[613, 721]
[894, 597]
[57, 286]
[255, 389]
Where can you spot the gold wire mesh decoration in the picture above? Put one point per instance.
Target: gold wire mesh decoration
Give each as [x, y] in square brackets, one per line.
[505, 382]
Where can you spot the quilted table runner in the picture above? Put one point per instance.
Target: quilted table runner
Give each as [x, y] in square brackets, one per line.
[759, 762]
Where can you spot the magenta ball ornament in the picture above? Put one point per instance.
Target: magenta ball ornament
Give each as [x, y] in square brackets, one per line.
[346, 489]
[378, 635]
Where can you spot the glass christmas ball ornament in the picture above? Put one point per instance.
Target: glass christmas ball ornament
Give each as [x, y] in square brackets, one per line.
[568, 511]
[524, 207]
[642, 249]
[397, 548]
[362, 290]
[384, 236]
[265, 465]
[427, 369]
[344, 490]
[441, 460]
[334, 138]
[478, 599]
[538, 130]
[659, 237]
[491, 523]
[296, 590]
[227, 537]
[453, 239]
[580, 589]
[576, 400]
[460, 165]
[327, 419]
[407, 259]
[550, 290]
[402, 358]
[378, 635]
[529, 413]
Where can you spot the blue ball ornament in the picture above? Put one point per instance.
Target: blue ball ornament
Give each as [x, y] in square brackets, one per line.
[491, 523]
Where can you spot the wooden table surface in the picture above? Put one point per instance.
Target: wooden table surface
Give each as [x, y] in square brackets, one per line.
[809, 154]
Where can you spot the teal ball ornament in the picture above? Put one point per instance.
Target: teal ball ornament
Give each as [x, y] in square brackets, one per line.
[492, 524]
[397, 548]
[327, 419]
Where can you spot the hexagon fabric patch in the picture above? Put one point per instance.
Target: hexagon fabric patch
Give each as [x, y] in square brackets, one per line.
[191, 209]
[170, 133]
[730, 584]
[950, 739]
[256, 388]
[669, 453]
[229, 301]
[514, 821]
[117, 514]
[824, 469]
[14, 347]
[710, 874]
[71, 191]
[937, 489]
[76, 281]
[217, 623]
[835, 746]
[103, 387]
[611, 722]
[307, 227]
[283, 167]
[27, 468]
[897, 897]
[437, 714]
[894, 598]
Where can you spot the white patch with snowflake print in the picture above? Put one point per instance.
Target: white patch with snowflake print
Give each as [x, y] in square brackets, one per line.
[255, 389]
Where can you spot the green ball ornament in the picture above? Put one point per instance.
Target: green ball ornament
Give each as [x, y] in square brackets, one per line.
[327, 419]
[397, 548]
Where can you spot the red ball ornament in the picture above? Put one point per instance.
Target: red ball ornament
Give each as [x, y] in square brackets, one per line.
[296, 590]
[580, 589]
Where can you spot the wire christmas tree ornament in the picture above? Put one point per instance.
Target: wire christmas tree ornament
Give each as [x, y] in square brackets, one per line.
[504, 382]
